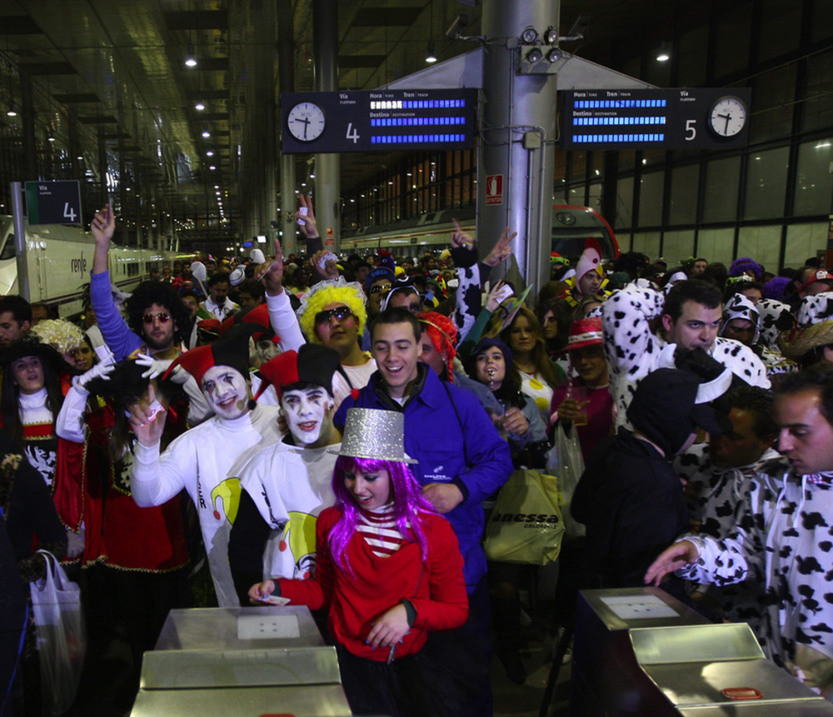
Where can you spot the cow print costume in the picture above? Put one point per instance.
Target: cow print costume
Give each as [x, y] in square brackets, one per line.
[633, 351]
[782, 542]
[813, 309]
[716, 499]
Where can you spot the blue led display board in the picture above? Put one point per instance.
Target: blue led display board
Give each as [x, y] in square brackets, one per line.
[363, 121]
[700, 118]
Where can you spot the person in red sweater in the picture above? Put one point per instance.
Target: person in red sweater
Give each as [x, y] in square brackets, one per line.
[388, 569]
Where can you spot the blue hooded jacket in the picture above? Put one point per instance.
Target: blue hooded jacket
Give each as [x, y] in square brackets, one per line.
[454, 440]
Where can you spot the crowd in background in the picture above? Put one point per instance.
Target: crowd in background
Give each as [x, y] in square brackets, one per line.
[168, 445]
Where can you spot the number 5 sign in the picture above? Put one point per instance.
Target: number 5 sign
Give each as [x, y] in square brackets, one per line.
[56, 202]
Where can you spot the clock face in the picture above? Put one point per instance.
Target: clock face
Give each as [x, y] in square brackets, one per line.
[306, 121]
[728, 117]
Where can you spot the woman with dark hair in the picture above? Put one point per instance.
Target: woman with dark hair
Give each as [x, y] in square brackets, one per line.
[388, 569]
[31, 398]
[491, 364]
[539, 376]
[554, 316]
[136, 553]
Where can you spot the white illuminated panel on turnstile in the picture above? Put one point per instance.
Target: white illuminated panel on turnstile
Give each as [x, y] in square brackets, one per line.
[639, 607]
[267, 627]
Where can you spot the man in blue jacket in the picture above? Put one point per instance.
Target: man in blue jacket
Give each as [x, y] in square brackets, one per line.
[461, 461]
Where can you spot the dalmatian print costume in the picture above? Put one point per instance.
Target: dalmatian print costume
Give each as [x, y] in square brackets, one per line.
[782, 543]
[633, 351]
[775, 318]
[741, 307]
[813, 309]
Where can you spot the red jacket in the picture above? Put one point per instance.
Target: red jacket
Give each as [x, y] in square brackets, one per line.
[436, 589]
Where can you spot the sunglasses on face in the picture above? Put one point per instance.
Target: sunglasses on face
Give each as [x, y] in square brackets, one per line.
[339, 312]
[162, 317]
[380, 289]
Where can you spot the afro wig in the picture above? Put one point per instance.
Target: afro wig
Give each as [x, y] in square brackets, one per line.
[331, 292]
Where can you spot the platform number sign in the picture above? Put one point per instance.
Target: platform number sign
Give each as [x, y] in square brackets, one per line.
[57, 202]
[377, 120]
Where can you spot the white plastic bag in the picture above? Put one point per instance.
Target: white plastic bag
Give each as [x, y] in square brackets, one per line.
[565, 462]
[61, 638]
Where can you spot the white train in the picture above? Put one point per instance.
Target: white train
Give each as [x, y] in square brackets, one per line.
[571, 226]
[60, 259]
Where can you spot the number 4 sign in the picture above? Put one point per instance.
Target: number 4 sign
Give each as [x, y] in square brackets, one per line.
[56, 202]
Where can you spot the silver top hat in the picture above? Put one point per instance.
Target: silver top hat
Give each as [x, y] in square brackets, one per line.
[374, 433]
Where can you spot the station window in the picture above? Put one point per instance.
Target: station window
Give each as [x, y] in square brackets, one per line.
[765, 184]
[683, 202]
[720, 200]
[733, 39]
[813, 181]
[650, 199]
[818, 105]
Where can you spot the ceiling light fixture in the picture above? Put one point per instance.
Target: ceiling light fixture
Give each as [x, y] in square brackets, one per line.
[190, 60]
[430, 58]
[663, 53]
[199, 106]
[11, 112]
[206, 134]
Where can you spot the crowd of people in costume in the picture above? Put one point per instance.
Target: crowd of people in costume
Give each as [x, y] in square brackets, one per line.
[330, 432]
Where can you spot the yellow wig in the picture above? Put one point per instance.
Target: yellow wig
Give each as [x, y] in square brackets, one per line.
[339, 292]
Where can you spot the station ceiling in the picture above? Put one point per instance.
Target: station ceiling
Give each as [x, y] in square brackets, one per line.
[112, 73]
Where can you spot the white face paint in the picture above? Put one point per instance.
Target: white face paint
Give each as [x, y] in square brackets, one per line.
[308, 413]
[227, 391]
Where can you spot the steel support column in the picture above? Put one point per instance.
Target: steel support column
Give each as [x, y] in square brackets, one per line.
[327, 166]
[518, 116]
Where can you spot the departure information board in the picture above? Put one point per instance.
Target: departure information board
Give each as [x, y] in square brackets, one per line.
[378, 120]
[700, 118]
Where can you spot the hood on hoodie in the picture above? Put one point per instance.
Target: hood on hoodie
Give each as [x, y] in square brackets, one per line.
[741, 307]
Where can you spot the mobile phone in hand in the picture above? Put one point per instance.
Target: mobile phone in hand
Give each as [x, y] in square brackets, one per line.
[303, 211]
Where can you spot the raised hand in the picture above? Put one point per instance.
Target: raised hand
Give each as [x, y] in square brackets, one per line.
[310, 227]
[103, 227]
[500, 251]
[459, 238]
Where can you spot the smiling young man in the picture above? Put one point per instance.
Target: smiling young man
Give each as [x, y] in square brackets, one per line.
[690, 317]
[461, 461]
[287, 484]
[780, 541]
[205, 460]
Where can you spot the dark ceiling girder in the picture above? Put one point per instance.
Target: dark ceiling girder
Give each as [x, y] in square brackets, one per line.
[18, 25]
[197, 20]
[48, 68]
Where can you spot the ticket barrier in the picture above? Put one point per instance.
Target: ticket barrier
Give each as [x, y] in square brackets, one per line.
[639, 651]
[248, 661]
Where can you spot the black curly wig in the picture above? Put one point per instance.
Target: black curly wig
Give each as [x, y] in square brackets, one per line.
[155, 292]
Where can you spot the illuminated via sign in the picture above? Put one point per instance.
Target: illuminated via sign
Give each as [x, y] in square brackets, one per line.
[362, 121]
[701, 118]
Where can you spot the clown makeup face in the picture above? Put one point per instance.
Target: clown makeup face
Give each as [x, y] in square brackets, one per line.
[227, 391]
[309, 413]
